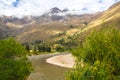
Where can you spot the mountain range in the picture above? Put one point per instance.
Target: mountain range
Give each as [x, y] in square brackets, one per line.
[55, 22]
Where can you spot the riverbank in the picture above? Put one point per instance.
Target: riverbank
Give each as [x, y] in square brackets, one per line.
[66, 60]
[42, 70]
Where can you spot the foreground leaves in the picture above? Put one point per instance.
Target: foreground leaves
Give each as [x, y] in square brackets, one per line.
[100, 55]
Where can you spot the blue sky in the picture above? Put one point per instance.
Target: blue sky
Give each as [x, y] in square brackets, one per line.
[20, 8]
[15, 3]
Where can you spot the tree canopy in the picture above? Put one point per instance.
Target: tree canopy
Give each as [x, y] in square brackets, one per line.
[13, 62]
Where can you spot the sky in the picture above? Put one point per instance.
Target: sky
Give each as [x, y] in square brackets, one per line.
[20, 8]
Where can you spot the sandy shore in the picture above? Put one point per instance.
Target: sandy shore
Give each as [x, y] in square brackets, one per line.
[67, 60]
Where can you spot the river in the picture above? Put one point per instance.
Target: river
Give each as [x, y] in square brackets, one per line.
[46, 71]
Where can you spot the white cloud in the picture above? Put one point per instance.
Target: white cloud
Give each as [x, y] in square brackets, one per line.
[38, 7]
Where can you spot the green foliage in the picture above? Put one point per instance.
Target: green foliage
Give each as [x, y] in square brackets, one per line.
[60, 48]
[67, 44]
[97, 71]
[44, 48]
[22, 68]
[27, 46]
[13, 63]
[37, 47]
[100, 55]
[9, 48]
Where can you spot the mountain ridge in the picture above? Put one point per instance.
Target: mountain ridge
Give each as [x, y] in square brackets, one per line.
[30, 28]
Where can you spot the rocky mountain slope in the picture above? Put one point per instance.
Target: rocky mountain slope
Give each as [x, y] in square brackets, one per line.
[107, 18]
[55, 24]
[45, 27]
[52, 23]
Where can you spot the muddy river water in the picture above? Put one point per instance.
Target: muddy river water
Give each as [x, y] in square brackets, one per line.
[46, 71]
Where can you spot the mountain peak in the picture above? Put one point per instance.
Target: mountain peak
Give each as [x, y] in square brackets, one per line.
[55, 10]
[65, 10]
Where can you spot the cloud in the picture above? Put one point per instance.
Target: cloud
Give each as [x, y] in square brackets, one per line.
[21, 8]
[84, 9]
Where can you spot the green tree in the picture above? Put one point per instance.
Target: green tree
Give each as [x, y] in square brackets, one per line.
[100, 55]
[13, 62]
[44, 48]
[27, 46]
[60, 48]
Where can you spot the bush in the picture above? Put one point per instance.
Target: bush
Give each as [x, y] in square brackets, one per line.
[13, 63]
[59, 48]
[98, 71]
[9, 48]
[101, 56]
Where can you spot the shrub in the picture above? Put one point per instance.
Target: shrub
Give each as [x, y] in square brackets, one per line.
[101, 56]
[13, 63]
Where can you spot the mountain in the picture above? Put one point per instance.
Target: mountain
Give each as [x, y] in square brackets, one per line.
[52, 27]
[107, 18]
[50, 24]
[11, 26]
[46, 27]
[2, 31]
[57, 11]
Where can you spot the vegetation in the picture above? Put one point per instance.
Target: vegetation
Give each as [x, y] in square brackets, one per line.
[98, 57]
[13, 63]
[60, 45]
[37, 48]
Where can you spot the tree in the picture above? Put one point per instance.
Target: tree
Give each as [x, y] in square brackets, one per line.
[44, 48]
[27, 46]
[101, 56]
[13, 62]
[59, 48]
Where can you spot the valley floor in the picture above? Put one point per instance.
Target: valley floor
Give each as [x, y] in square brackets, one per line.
[56, 63]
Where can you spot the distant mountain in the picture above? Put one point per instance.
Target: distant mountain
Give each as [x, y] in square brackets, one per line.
[57, 11]
[65, 10]
[53, 23]
[110, 17]
[47, 26]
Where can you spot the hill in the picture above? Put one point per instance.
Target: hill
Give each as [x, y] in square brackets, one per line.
[108, 17]
[43, 28]
[58, 30]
